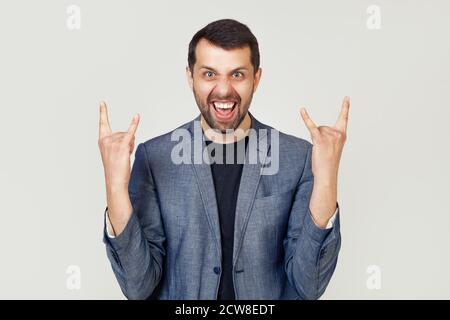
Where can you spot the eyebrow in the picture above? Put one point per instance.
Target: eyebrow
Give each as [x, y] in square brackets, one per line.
[236, 69]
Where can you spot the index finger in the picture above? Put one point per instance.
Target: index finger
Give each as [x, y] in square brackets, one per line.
[308, 122]
[342, 121]
[133, 126]
[104, 128]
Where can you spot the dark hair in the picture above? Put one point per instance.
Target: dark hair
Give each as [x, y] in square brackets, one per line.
[226, 34]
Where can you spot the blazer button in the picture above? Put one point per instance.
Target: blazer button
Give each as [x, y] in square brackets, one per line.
[216, 270]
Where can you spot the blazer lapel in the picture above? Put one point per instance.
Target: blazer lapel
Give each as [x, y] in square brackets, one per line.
[257, 150]
[205, 181]
[251, 172]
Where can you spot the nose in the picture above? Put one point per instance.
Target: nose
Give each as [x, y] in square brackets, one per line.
[224, 88]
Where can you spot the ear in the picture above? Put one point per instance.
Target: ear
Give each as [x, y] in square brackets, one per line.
[257, 78]
[189, 77]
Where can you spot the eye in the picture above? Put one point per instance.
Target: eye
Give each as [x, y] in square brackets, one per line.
[209, 74]
[238, 74]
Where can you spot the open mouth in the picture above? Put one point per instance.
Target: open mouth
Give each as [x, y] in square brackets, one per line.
[224, 110]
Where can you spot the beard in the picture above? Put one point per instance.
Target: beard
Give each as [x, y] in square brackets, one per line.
[207, 111]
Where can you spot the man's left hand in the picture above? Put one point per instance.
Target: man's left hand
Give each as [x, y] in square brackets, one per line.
[328, 143]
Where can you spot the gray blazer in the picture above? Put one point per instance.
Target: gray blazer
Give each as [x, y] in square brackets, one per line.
[171, 246]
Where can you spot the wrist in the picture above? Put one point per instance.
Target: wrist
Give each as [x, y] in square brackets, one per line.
[325, 181]
[320, 223]
[116, 189]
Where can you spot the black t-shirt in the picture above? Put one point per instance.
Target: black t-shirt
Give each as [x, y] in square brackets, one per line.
[227, 176]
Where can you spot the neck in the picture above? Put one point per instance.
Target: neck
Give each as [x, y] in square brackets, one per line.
[230, 137]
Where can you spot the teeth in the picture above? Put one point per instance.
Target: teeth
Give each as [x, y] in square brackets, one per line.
[227, 105]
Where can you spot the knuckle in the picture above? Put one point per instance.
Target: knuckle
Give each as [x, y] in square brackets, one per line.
[124, 146]
[102, 141]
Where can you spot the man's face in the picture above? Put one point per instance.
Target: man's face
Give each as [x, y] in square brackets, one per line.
[223, 83]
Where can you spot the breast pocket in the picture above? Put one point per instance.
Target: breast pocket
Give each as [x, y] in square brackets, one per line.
[275, 208]
[269, 220]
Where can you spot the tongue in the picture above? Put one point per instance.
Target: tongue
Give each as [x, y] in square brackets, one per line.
[223, 112]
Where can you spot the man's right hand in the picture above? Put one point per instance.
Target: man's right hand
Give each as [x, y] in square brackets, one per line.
[116, 149]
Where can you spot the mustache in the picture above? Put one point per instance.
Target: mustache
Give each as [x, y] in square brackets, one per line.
[237, 100]
[234, 97]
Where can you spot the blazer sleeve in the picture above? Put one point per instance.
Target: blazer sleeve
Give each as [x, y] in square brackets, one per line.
[311, 253]
[137, 253]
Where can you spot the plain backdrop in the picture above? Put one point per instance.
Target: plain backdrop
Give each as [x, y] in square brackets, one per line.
[394, 179]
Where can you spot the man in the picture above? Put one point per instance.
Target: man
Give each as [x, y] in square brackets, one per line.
[187, 229]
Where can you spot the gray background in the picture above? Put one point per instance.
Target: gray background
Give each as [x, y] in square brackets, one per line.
[394, 179]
